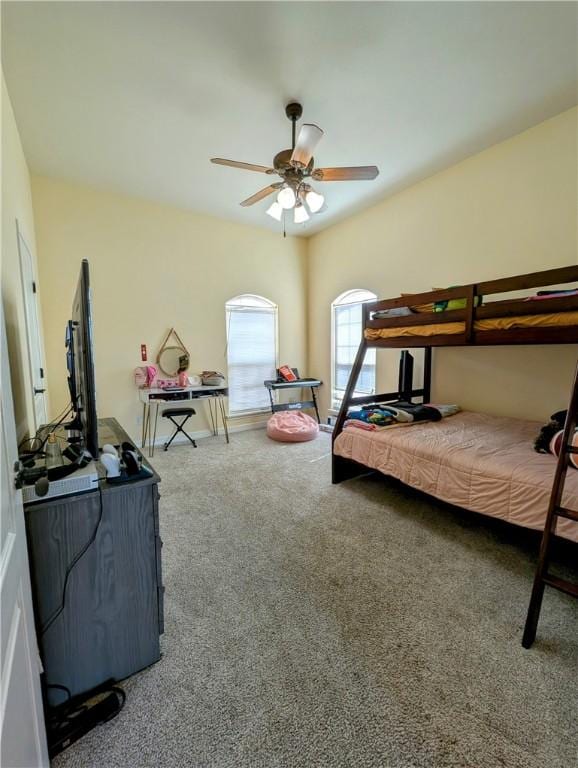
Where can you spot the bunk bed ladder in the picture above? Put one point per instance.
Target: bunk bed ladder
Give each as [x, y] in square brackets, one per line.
[555, 510]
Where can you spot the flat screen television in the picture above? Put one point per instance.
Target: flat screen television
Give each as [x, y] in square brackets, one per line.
[80, 364]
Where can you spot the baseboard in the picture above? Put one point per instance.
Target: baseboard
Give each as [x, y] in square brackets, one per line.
[199, 434]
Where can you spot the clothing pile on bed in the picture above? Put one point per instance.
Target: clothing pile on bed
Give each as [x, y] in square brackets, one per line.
[384, 415]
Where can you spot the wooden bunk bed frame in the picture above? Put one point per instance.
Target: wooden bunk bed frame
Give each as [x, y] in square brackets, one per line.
[343, 468]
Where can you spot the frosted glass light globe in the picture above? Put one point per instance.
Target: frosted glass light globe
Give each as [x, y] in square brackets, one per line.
[286, 198]
[275, 211]
[314, 201]
[300, 215]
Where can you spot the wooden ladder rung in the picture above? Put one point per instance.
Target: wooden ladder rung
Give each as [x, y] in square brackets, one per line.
[561, 584]
[565, 512]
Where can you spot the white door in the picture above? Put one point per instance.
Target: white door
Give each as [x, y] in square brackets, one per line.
[22, 732]
[33, 330]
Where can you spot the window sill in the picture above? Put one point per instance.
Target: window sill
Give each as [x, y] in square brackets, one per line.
[252, 412]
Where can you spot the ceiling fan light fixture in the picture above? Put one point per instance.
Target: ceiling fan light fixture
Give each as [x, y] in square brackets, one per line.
[286, 198]
[296, 167]
[300, 215]
[275, 211]
[314, 200]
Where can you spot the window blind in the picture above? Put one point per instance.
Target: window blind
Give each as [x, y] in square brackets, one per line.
[251, 355]
[347, 336]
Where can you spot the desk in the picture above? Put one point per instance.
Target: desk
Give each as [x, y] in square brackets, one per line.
[274, 384]
[157, 397]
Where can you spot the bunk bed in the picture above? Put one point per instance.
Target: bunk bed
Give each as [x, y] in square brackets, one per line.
[481, 463]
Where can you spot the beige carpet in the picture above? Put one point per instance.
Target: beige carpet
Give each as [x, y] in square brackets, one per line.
[311, 625]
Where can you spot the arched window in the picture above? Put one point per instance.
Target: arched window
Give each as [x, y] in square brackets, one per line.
[251, 351]
[347, 328]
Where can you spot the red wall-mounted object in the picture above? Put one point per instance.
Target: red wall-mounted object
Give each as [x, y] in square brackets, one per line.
[143, 352]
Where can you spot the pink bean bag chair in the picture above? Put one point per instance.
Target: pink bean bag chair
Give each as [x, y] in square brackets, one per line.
[292, 427]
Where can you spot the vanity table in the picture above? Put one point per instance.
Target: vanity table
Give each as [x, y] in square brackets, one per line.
[155, 398]
[173, 361]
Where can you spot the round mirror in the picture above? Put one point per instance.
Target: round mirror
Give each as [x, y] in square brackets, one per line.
[173, 360]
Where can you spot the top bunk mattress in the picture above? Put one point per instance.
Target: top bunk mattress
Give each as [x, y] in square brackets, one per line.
[551, 320]
[483, 463]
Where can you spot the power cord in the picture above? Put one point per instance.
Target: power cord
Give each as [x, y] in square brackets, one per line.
[51, 428]
[69, 721]
[50, 621]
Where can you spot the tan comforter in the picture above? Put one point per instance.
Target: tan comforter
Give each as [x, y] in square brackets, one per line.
[552, 320]
[483, 463]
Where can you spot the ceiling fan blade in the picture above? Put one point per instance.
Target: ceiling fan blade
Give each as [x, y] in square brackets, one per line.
[308, 139]
[260, 195]
[356, 173]
[245, 166]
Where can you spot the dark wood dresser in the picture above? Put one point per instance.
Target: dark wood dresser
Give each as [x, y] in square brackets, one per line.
[110, 584]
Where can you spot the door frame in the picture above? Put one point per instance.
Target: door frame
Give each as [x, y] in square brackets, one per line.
[34, 340]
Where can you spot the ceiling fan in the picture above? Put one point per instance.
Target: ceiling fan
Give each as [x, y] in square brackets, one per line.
[295, 166]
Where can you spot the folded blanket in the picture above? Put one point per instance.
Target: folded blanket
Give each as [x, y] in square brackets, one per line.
[384, 415]
[361, 425]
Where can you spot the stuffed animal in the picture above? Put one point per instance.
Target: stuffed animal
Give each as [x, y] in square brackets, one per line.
[550, 438]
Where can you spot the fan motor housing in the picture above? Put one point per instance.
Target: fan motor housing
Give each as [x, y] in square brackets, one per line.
[282, 164]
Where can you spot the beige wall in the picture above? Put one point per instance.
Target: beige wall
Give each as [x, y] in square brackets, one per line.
[508, 210]
[16, 206]
[154, 267]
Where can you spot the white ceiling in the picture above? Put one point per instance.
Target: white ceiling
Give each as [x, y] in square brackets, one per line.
[138, 96]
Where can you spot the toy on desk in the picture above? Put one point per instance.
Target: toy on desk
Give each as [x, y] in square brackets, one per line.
[287, 374]
[145, 376]
[212, 379]
[140, 377]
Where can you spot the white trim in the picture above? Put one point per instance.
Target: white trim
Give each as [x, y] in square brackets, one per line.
[262, 303]
[248, 412]
[341, 301]
[34, 336]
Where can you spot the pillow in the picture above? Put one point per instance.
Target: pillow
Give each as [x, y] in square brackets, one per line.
[556, 444]
[380, 314]
[550, 437]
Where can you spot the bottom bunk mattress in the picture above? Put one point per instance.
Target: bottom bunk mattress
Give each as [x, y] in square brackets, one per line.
[483, 463]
